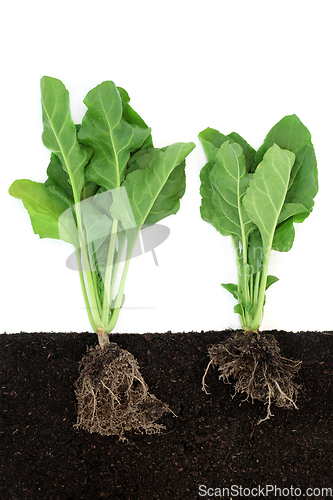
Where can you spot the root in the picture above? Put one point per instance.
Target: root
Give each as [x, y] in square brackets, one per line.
[204, 385]
[112, 395]
[254, 363]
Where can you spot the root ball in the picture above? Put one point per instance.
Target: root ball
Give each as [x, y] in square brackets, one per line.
[112, 395]
[254, 362]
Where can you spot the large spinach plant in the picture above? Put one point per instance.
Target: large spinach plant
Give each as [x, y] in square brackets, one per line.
[105, 181]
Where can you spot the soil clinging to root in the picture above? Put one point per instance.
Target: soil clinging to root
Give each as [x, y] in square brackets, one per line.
[112, 395]
[254, 362]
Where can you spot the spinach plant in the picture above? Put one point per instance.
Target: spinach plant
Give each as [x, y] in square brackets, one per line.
[105, 181]
[255, 197]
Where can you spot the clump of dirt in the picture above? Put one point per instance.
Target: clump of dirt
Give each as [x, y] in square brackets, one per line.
[254, 362]
[112, 395]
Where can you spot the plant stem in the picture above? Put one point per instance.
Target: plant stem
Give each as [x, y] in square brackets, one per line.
[107, 297]
[244, 273]
[236, 242]
[103, 337]
[121, 242]
[261, 295]
[118, 301]
[90, 276]
[256, 288]
[84, 290]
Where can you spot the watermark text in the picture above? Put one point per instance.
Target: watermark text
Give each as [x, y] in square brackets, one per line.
[268, 491]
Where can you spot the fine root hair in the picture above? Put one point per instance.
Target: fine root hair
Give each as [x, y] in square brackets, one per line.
[112, 395]
[254, 363]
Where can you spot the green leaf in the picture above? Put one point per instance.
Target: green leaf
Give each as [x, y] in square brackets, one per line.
[211, 141]
[303, 185]
[141, 159]
[97, 224]
[167, 202]
[232, 288]
[173, 189]
[153, 192]
[207, 209]
[110, 137]
[43, 206]
[121, 209]
[238, 309]
[132, 117]
[59, 134]
[270, 280]
[292, 210]
[90, 189]
[230, 180]
[58, 179]
[267, 190]
[248, 151]
[290, 133]
[284, 236]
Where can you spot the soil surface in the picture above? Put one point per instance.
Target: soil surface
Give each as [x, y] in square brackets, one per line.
[214, 443]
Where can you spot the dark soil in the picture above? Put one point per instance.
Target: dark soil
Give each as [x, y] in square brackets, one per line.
[214, 442]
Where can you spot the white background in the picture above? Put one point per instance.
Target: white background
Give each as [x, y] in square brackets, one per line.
[231, 65]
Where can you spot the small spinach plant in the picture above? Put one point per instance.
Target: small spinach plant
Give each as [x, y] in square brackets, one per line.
[255, 197]
[105, 182]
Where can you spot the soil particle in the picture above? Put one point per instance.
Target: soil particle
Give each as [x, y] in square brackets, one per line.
[213, 442]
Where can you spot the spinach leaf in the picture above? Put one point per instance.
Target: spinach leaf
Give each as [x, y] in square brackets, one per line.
[59, 134]
[156, 189]
[111, 138]
[44, 207]
[230, 180]
[267, 191]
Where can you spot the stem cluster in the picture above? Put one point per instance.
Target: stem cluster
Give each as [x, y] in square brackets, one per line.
[251, 286]
[103, 297]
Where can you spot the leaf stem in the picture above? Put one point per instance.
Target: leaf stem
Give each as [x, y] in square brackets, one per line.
[236, 242]
[107, 297]
[256, 288]
[84, 291]
[121, 242]
[244, 286]
[261, 295]
[118, 301]
[90, 276]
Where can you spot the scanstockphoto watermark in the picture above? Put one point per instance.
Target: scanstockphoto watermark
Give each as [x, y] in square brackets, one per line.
[106, 236]
[101, 216]
[264, 491]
